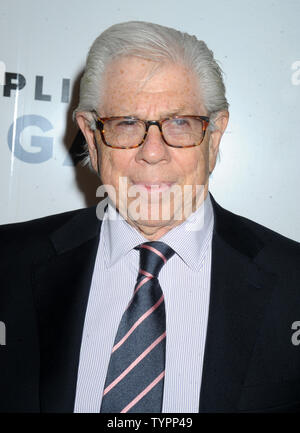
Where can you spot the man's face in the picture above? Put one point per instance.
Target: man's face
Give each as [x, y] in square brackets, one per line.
[154, 169]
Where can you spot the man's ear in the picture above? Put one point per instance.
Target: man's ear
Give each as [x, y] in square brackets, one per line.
[84, 124]
[215, 137]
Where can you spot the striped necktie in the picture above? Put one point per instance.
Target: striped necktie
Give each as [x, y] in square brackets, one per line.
[135, 376]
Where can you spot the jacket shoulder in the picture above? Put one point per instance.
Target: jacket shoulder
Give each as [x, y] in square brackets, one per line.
[265, 233]
[279, 253]
[28, 235]
[253, 239]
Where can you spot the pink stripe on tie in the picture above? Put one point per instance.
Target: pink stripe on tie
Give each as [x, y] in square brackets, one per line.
[143, 393]
[147, 274]
[137, 288]
[137, 323]
[154, 250]
[134, 363]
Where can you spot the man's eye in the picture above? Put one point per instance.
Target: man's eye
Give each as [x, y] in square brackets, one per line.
[180, 122]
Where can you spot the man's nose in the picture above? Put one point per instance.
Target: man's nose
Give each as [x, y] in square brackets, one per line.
[154, 149]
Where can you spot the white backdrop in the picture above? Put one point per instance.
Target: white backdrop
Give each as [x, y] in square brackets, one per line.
[43, 46]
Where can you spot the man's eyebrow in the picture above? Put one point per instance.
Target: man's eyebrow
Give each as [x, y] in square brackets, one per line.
[165, 114]
[176, 112]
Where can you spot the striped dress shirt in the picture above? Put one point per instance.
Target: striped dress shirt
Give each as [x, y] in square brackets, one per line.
[185, 281]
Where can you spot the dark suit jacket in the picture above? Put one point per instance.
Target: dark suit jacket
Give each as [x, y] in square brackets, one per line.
[250, 362]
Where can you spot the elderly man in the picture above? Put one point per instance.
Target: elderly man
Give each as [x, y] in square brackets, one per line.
[159, 301]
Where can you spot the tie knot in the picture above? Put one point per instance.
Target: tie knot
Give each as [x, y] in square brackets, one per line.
[153, 255]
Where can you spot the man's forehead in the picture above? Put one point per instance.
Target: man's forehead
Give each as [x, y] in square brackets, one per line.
[134, 86]
[140, 75]
[163, 104]
[124, 64]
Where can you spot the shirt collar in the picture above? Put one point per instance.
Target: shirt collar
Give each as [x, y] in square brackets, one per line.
[189, 239]
[119, 236]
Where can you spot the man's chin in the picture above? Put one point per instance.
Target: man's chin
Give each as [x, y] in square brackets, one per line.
[155, 224]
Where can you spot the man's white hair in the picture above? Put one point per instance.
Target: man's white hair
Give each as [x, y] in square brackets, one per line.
[156, 43]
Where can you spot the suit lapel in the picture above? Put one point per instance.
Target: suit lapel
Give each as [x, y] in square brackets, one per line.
[240, 291]
[61, 288]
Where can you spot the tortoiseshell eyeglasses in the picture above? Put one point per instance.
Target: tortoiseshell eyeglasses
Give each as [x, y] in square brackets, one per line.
[127, 132]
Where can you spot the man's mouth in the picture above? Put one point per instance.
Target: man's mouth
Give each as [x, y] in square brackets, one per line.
[154, 187]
